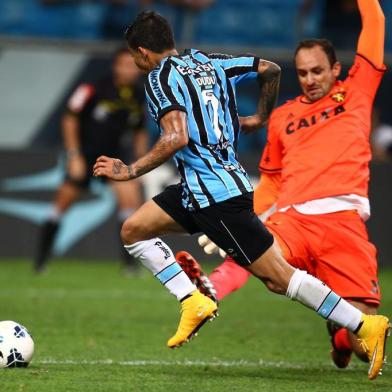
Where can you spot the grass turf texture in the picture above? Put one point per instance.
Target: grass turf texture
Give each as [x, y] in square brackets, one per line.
[96, 330]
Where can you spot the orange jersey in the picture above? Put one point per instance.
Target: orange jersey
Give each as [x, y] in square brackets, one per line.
[322, 149]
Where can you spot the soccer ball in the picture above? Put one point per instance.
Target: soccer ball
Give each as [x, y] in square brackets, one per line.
[16, 345]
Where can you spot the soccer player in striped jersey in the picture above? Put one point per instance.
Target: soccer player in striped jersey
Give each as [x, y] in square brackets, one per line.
[191, 96]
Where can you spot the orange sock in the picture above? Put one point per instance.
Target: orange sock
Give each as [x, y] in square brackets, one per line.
[228, 277]
[341, 340]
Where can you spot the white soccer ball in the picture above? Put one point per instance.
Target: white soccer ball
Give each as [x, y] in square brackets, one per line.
[16, 345]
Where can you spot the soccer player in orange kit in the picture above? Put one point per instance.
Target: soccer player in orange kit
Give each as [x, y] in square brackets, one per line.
[315, 174]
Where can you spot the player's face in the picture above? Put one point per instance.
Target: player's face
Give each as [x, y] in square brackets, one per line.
[125, 70]
[315, 74]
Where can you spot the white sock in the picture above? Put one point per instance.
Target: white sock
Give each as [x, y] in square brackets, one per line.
[316, 295]
[155, 255]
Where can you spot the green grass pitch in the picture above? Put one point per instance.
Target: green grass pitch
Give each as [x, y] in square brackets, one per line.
[96, 330]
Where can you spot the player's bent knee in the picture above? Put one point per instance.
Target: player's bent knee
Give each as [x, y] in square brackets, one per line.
[132, 232]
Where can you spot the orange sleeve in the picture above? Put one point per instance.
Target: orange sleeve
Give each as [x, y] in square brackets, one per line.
[266, 192]
[371, 39]
[365, 76]
[271, 160]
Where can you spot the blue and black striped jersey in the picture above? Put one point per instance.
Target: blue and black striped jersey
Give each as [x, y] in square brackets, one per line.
[203, 86]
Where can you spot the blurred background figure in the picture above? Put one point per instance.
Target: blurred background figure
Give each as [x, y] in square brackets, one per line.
[381, 138]
[191, 4]
[340, 20]
[97, 118]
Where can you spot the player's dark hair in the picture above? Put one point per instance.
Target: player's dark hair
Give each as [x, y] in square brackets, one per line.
[151, 31]
[324, 44]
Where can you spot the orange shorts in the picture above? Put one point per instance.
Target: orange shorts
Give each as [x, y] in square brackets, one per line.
[332, 247]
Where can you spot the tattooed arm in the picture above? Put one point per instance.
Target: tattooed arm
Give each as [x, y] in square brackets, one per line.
[173, 138]
[269, 79]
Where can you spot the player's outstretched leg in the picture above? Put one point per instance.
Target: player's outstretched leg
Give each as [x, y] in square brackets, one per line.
[280, 277]
[196, 308]
[139, 234]
[371, 330]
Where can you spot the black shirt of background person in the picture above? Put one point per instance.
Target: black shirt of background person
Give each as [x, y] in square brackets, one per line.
[106, 114]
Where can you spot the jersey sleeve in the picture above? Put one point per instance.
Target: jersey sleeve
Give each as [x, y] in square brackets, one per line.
[238, 68]
[372, 37]
[364, 76]
[163, 91]
[80, 98]
[271, 160]
[266, 193]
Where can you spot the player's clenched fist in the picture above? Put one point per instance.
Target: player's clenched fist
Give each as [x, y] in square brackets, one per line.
[111, 168]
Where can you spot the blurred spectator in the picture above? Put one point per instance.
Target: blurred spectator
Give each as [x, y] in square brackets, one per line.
[118, 13]
[196, 4]
[50, 2]
[341, 21]
[191, 4]
[381, 138]
[182, 15]
[97, 119]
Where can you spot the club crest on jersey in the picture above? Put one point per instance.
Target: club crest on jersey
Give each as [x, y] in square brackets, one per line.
[339, 96]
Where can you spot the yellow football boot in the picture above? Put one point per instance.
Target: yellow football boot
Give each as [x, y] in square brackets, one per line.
[195, 311]
[373, 336]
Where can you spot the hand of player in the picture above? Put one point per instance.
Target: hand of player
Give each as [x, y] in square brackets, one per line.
[210, 247]
[250, 123]
[112, 168]
[77, 168]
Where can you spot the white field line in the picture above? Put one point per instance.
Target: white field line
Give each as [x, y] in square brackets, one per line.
[189, 363]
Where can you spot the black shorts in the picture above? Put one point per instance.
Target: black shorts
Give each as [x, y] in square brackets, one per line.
[231, 224]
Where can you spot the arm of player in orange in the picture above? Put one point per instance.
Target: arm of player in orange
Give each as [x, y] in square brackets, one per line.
[266, 192]
[371, 39]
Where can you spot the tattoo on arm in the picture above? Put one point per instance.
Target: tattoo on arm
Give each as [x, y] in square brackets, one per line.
[164, 149]
[173, 138]
[116, 167]
[269, 88]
